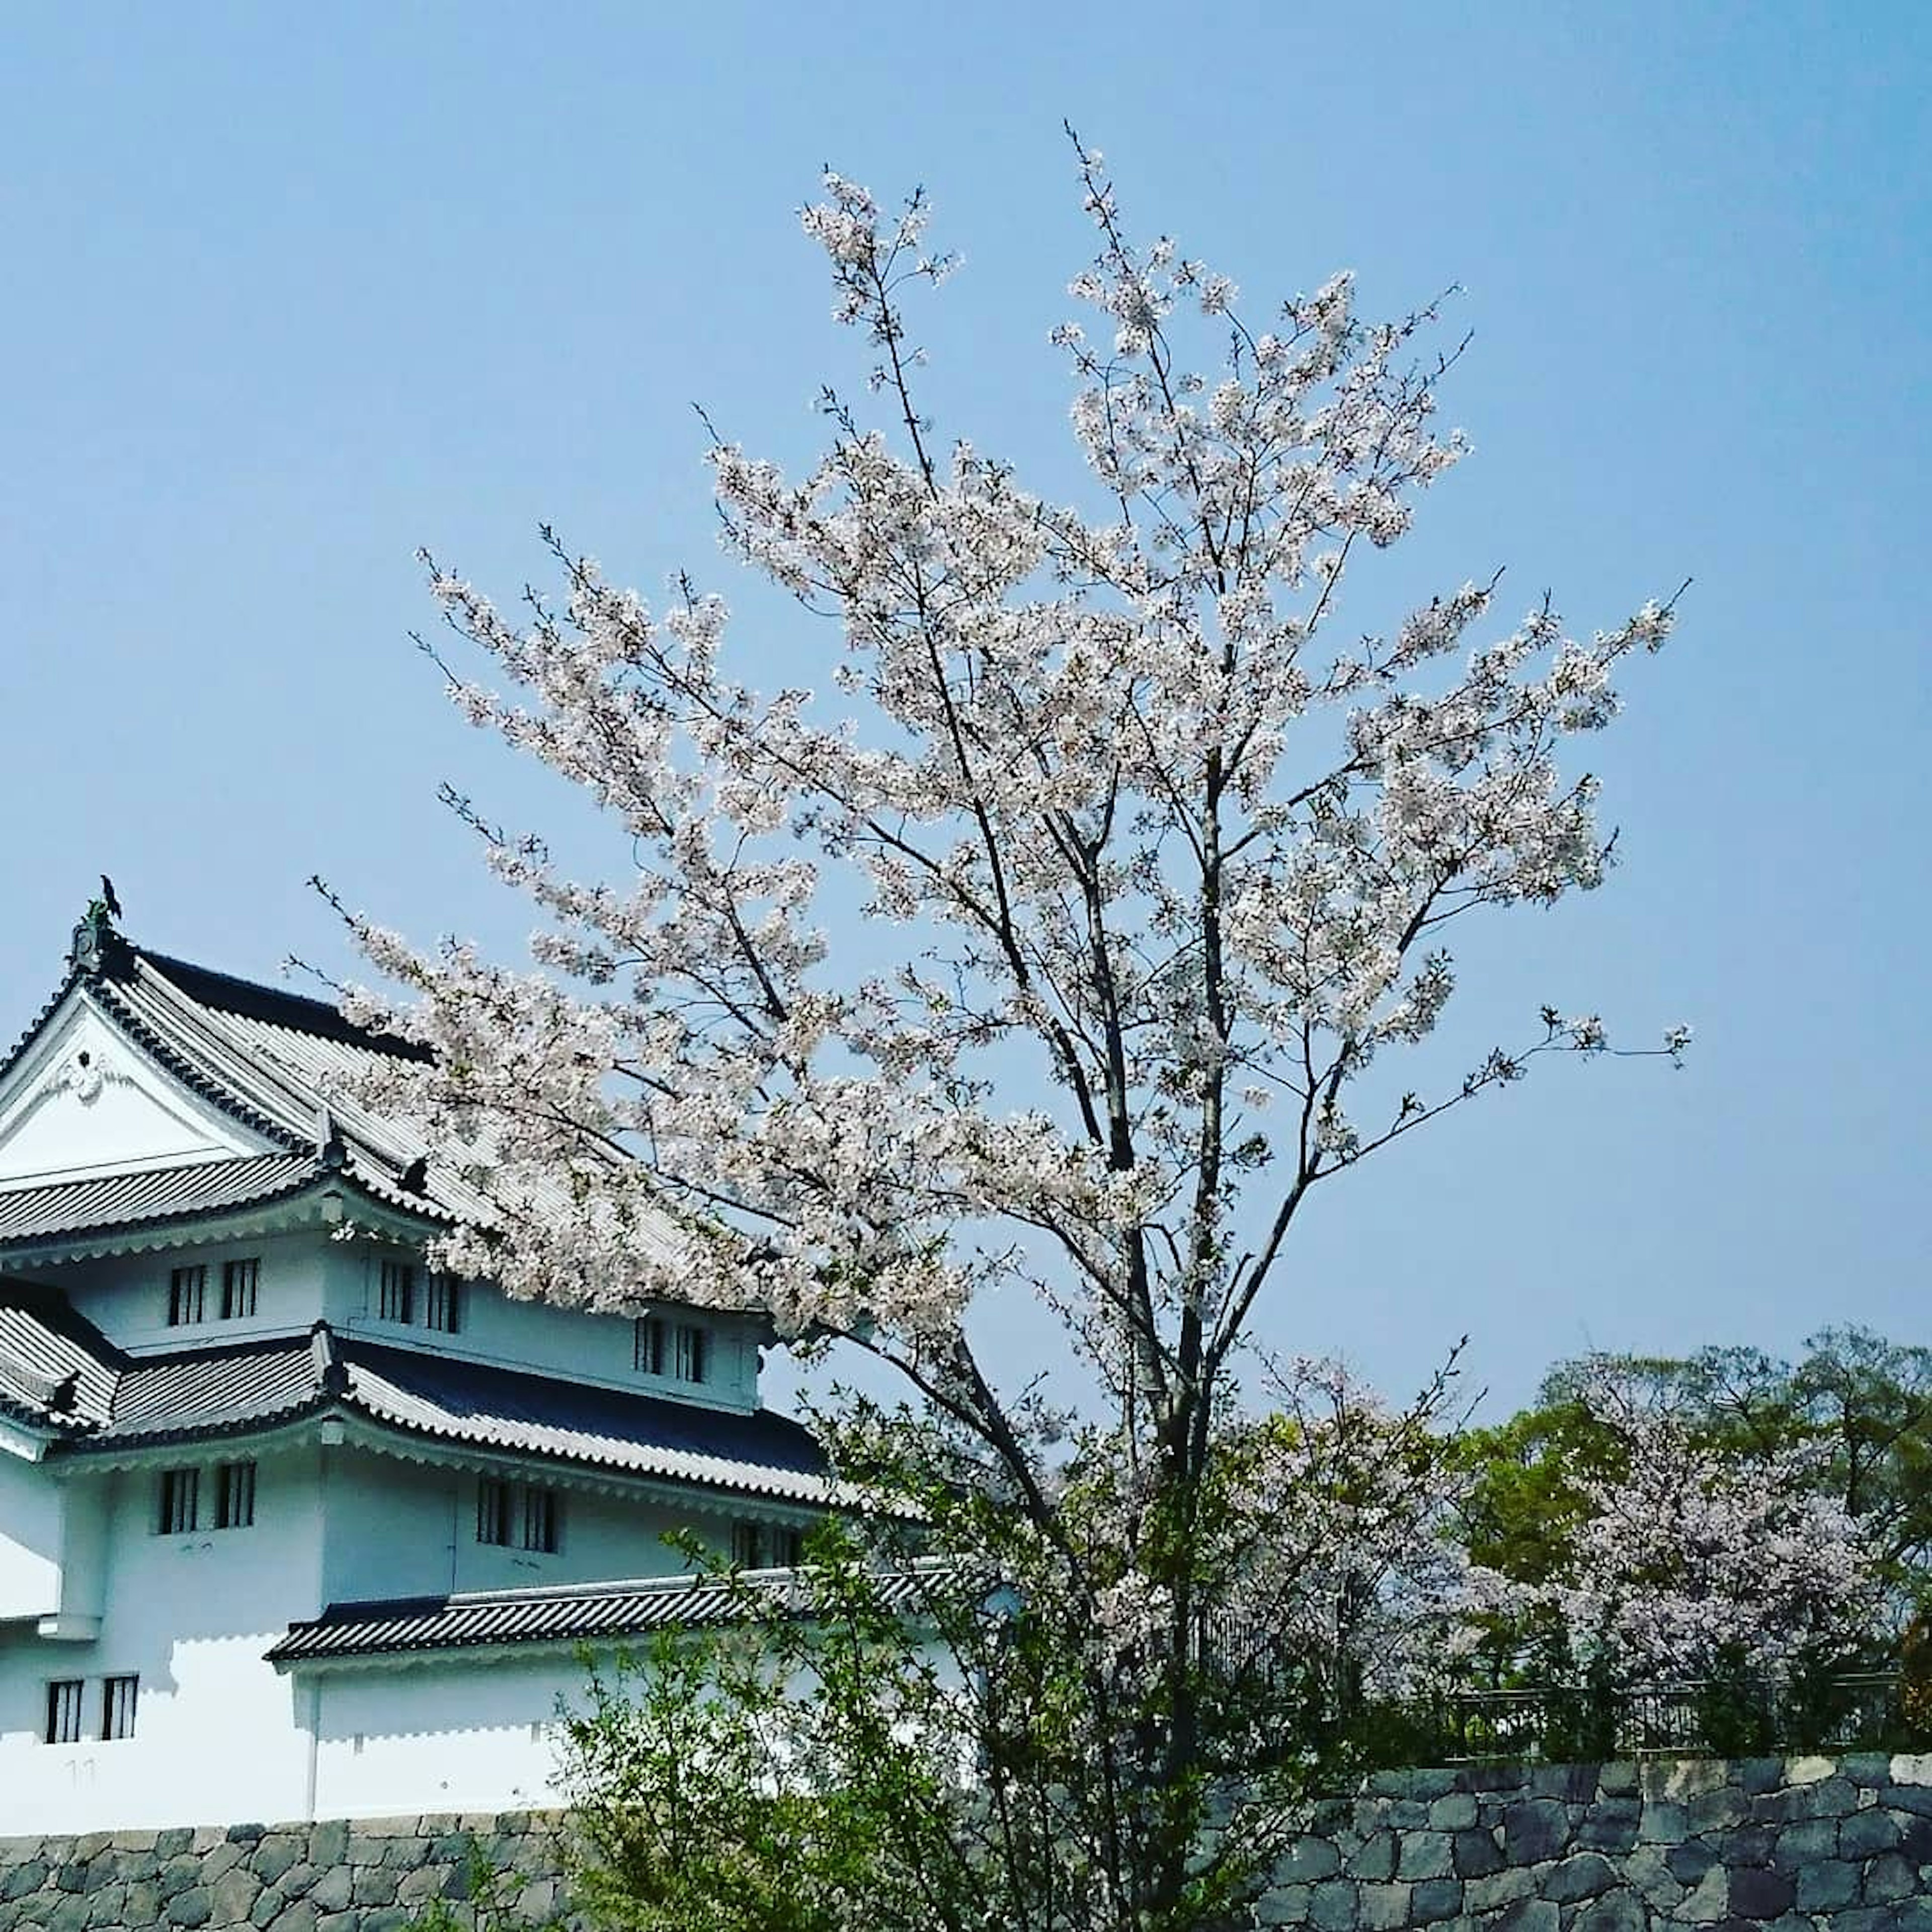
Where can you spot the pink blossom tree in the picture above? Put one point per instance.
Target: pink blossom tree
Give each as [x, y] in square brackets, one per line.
[1163, 857]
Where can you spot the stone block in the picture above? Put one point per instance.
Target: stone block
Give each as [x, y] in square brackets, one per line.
[1823, 1884]
[1527, 1914]
[1866, 1768]
[1686, 1777]
[189, 1909]
[1306, 1860]
[1610, 1825]
[1498, 1889]
[1616, 1912]
[1664, 1823]
[1476, 1854]
[1708, 1900]
[1332, 1905]
[1804, 1844]
[1888, 1876]
[1912, 1768]
[1382, 1908]
[1618, 1779]
[373, 1885]
[330, 1891]
[234, 1893]
[1584, 1876]
[274, 1855]
[1433, 1900]
[1424, 1855]
[1718, 1811]
[1809, 1770]
[1757, 1775]
[1758, 1892]
[1455, 1813]
[328, 1843]
[1534, 1830]
[1374, 1857]
[1865, 1833]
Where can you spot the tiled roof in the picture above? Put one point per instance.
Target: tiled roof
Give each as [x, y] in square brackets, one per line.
[467, 1402]
[213, 1391]
[283, 1066]
[572, 1614]
[131, 1200]
[56, 1369]
[120, 1402]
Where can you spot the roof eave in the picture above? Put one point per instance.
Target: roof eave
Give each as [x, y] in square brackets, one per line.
[332, 1201]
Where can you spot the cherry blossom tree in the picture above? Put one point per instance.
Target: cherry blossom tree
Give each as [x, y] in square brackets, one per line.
[1166, 857]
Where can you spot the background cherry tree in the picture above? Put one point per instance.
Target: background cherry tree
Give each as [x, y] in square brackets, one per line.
[1171, 855]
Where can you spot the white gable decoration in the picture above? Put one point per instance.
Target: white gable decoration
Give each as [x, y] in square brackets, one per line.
[87, 1102]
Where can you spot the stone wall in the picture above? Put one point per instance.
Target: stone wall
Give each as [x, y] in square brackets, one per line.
[374, 1875]
[1826, 1844]
[1823, 1844]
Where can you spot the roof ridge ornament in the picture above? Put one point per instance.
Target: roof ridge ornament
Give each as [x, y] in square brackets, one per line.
[97, 945]
[331, 1372]
[332, 1150]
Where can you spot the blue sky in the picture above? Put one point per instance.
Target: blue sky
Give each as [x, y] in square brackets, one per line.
[292, 293]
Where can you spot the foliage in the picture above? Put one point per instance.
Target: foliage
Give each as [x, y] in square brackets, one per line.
[1164, 860]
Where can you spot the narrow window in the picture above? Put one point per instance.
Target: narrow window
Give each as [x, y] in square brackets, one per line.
[241, 1286]
[187, 1296]
[64, 1710]
[443, 1303]
[747, 1546]
[540, 1517]
[493, 1511]
[649, 1345]
[180, 1493]
[117, 1706]
[693, 1353]
[234, 1495]
[788, 1547]
[396, 1296]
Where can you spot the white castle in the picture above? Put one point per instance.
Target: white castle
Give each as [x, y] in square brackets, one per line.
[291, 1525]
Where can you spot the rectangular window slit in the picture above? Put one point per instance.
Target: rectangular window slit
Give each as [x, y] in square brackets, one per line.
[180, 1496]
[117, 1706]
[396, 1293]
[64, 1710]
[187, 1295]
[241, 1287]
[234, 1495]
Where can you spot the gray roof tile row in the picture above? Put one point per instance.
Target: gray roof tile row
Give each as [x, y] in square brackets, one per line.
[609, 1611]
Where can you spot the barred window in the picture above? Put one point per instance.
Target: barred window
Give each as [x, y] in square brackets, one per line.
[396, 1293]
[766, 1545]
[117, 1706]
[179, 1498]
[493, 1511]
[234, 1495]
[442, 1303]
[64, 1710]
[648, 1345]
[187, 1295]
[693, 1353]
[540, 1518]
[241, 1287]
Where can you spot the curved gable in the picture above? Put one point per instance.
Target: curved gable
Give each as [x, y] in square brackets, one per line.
[83, 1098]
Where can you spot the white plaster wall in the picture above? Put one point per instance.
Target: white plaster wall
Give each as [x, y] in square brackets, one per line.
[126, 1298]
[475, 1734]
[397, 1528]
[215, 1734]
[588, 1348]
[30, 1538]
